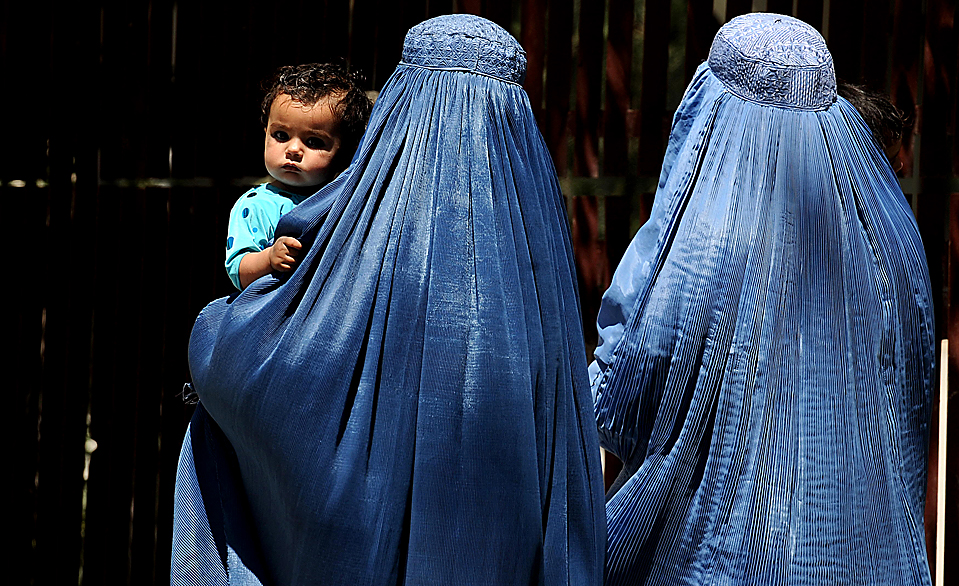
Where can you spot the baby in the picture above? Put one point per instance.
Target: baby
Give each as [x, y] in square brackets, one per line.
[313, 116]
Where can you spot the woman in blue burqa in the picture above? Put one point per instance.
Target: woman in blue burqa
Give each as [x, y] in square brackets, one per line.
[767, 340]
[410, 406]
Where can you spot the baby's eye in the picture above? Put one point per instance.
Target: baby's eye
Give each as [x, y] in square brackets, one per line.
[280, 136]
[314, 143]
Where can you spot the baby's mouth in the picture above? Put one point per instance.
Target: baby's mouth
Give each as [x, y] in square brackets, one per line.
[290, 167]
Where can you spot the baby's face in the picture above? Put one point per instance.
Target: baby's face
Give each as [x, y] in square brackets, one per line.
[301, 143]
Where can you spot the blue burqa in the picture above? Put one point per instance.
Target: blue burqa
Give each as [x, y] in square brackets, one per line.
[410, 406]
[767, 355]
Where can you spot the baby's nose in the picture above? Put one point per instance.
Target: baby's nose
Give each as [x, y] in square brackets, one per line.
[294, 150]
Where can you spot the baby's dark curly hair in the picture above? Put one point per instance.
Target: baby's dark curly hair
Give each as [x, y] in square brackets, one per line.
[884, 119]
[311, 82]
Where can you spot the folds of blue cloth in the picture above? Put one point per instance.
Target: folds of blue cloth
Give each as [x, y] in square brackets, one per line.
[410, 406]
[766, 358]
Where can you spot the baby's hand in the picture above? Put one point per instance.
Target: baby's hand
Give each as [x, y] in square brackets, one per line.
[283, 254]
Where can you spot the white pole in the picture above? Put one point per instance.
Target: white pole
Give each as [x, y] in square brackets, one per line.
[941, 462]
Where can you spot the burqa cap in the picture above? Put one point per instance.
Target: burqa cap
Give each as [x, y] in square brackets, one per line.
[466, 43]
[775, 60]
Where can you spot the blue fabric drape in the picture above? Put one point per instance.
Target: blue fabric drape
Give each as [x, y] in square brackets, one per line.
[410, 406]
[766, 358]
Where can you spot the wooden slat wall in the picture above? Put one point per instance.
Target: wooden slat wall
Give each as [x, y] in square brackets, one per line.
[934, 156]
[591, 263]
[618, 132]
[136, 127]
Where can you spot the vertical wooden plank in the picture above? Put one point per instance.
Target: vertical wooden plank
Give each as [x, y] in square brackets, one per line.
[64, 376]
[150, 243]
[931, 160]
[25, 45]
[471, 7]
[533, 22]
[951, 497]
[225, 44]
[395, 19]
[939, 430]
[245, 41]
[378, 32]
[559, 55]
[877, 30]
[619, 58]
[500, 12]
[181, 307]
[199, 214]
[189, 261]
[653, 99]
[906, 62]
[321, 31]
[618, 127]
[109, 486]
[151, 295]
[676, 65]
[937, 136]
[438, 7]
[64, 383]
[939, 96]
[589, 70]
[736, 7]
[304, 38]
[810, 12]
[780, 7]
[126, 42]
[589, 243]
[363, 39]
[27, 206]
[845, 38]
[701, 27]
[333, 29]
[137, 56]
[25, 159]
[907, 50]
[954, 120]
[156, 74]
[216, 131]
[187, 52]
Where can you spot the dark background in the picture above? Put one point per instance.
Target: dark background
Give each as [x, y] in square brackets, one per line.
[132, 127]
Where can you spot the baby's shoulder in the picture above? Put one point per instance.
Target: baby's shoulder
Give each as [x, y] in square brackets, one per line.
[257, 192]
[259, 197]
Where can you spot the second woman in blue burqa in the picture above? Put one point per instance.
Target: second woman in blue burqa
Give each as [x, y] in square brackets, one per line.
[767, 341]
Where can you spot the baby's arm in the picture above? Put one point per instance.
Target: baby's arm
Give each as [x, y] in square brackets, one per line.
[281, 257]
[250, 254]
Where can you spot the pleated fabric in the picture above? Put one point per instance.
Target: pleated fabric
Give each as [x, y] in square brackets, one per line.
[766, 358]
[410, 406]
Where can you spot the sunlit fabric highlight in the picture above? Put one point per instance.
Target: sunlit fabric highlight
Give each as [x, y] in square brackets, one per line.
[766, 357]
[410, 406]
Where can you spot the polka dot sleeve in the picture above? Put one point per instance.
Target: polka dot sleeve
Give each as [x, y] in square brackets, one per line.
[250, 229]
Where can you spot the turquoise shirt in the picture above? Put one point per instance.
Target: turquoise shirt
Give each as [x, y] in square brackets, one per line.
[252, 220]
